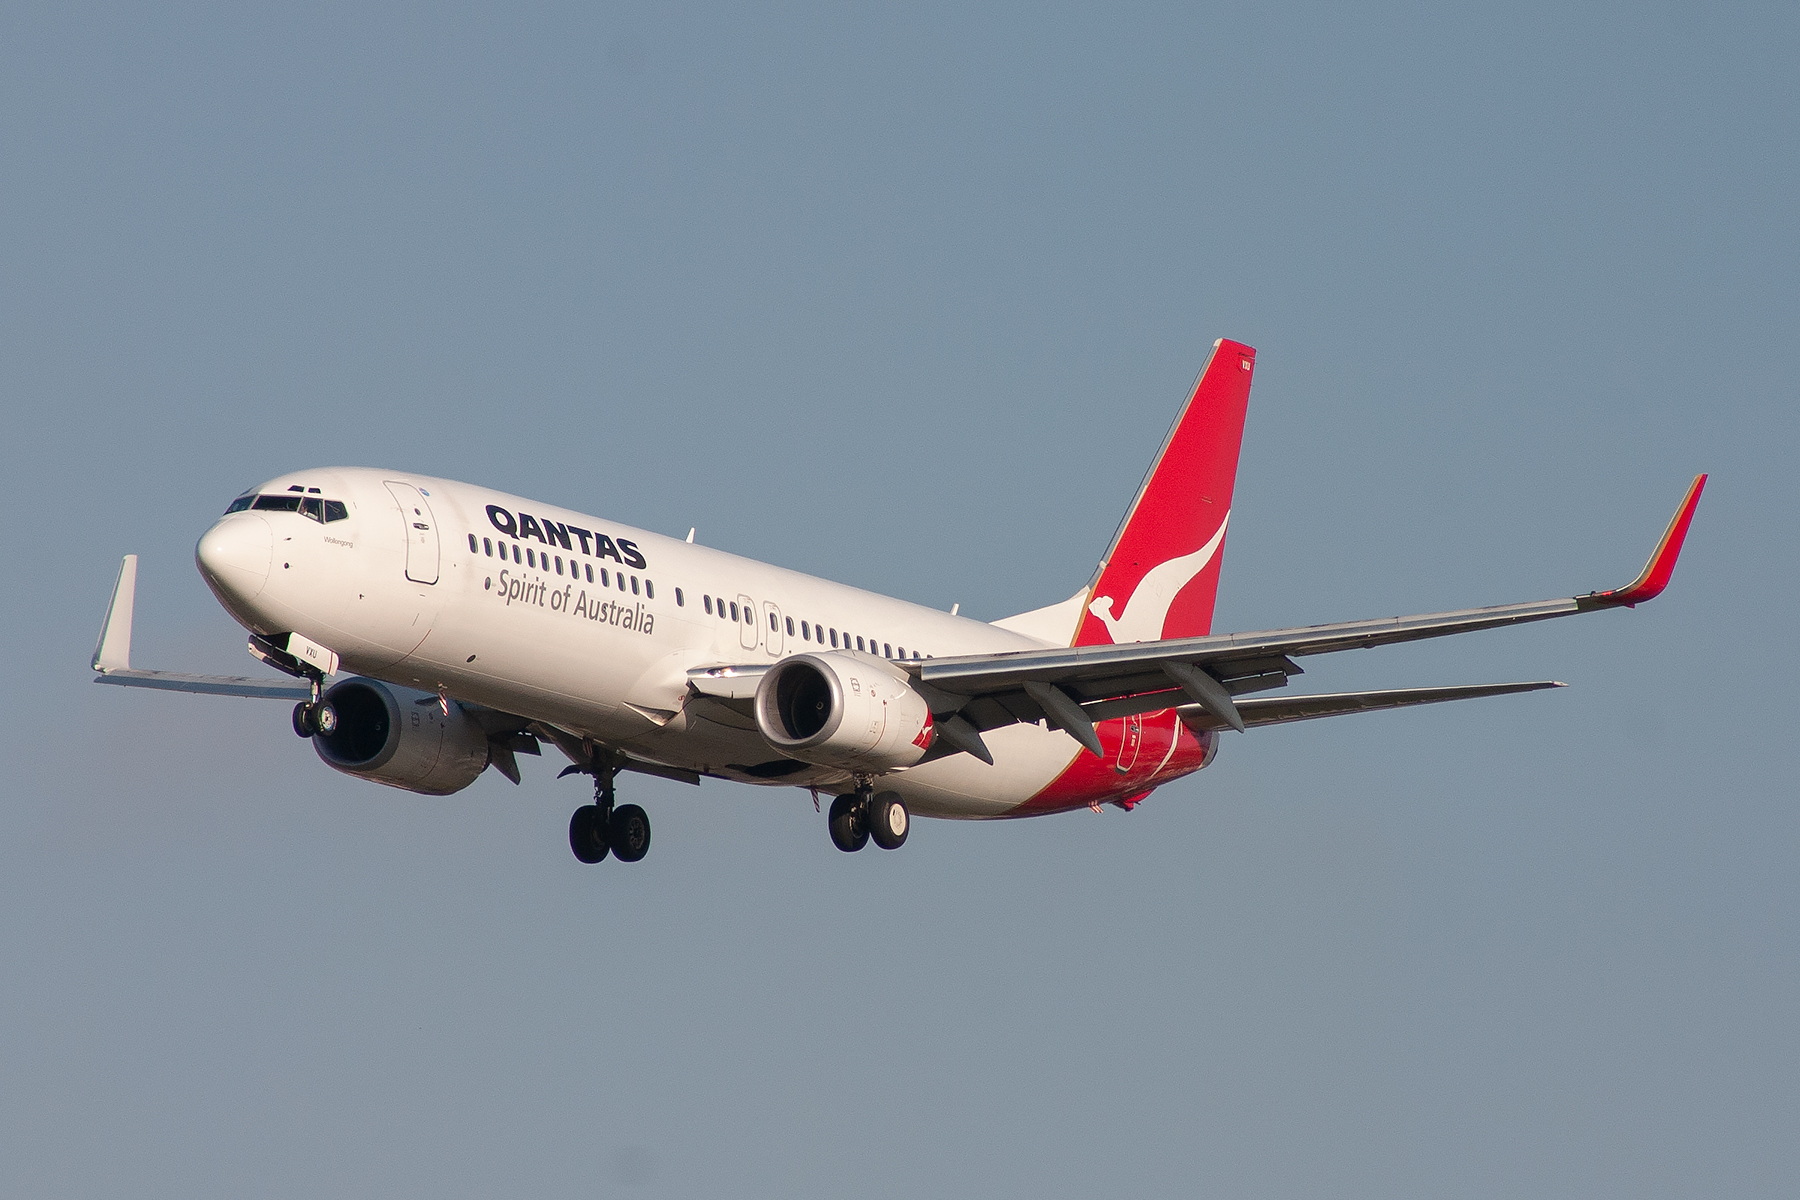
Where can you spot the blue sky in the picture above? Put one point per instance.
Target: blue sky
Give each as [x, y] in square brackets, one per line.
[908, 299]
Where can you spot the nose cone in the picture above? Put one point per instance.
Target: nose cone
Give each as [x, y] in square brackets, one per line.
[234, 556]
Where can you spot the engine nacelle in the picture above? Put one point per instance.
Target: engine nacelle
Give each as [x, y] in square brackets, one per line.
[843, 710]
[400, 737]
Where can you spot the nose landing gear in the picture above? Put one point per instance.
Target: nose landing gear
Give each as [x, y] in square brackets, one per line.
[314, 719]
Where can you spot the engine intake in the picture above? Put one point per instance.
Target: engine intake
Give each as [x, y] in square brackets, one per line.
[843, 710]
[402, 738]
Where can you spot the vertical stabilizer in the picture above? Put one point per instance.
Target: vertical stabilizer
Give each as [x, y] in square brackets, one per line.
[1160, 576]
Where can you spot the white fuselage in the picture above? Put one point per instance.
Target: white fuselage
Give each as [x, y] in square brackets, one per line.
[593, 627]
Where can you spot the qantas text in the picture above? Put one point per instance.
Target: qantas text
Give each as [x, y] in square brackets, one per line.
[555, 533]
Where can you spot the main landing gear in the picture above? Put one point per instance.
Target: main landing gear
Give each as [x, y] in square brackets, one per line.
[863, 815]
[601, 827]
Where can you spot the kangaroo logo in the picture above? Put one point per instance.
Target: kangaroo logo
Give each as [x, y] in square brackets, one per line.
[1148, 605]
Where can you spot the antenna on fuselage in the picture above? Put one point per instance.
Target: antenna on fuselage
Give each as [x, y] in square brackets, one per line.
[690, 536]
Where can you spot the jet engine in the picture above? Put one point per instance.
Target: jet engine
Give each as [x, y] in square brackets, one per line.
[401, 738]
[843, 710]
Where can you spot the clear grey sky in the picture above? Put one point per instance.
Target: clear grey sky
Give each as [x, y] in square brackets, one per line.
[908, 299]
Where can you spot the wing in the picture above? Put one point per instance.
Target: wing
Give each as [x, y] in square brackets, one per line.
[112, 656]
[1072, 687]
[212, 685]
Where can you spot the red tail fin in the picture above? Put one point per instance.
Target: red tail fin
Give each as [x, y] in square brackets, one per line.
[1161, 574]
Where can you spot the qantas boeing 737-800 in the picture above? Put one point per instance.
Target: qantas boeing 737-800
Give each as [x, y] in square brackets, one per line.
[475, 626]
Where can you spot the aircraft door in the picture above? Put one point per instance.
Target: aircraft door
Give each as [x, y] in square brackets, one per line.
[421, 532]
[747, 626]
[772, 619]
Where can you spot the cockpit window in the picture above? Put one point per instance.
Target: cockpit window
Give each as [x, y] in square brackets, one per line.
[311, 507]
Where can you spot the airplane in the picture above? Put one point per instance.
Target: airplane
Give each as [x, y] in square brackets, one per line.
[435, 629]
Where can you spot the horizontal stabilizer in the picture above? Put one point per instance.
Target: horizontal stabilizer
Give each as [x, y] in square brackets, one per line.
[1278, 710]
[112, 656]
[211, 685]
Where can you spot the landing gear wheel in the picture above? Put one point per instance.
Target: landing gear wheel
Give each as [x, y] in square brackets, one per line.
[587, 834]
[849, 824]
[630, 833]
[888, 820]
[312, 720]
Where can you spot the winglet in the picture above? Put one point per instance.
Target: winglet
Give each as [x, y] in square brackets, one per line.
[113, 651]
[1655, 576]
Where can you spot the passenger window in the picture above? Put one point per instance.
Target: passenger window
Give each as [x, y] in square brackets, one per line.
[734, 611]
[634, 590]
[240, 504]
[604, 582]
[559, 564]
[774, 624]
[473, 548]
[902, 652]
[834, 639]
[487, 547]
[515, 552]
[887, 651]
[859, 643]
[277, 504]
[531, 558]
[589, 568]
[620, 580]
[679, 602]
[790, 626]
[706, 600]
[805, 636]
[649, 590]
